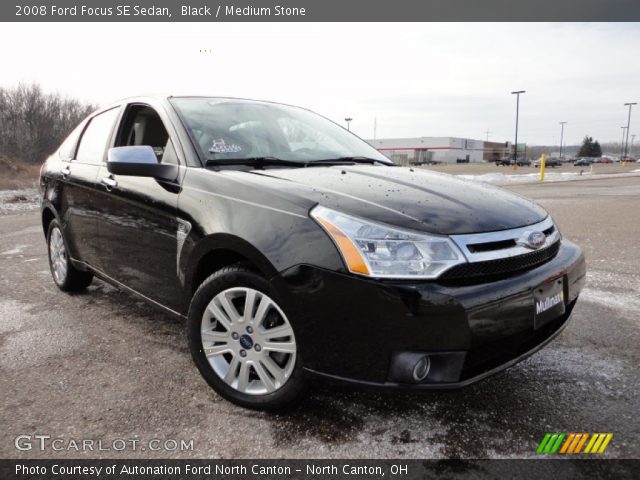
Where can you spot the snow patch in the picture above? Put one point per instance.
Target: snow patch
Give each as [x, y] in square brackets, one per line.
[14, 251]
[33, 336]
[13, 201]
[619, 301]
[549, 177]
[501, 178]
[576, 362]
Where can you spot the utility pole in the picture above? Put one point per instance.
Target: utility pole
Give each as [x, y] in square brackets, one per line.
[626, 143]
[515, 152]
[488, 132]
[348, 120]
[562, 124]
[622, 144]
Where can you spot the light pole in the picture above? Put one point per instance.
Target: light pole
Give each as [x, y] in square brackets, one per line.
[562, 124]
[626, 143]
[622, 144]
[348, 120]
[515, 152]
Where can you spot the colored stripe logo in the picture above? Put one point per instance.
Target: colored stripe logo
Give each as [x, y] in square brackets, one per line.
[573, 443]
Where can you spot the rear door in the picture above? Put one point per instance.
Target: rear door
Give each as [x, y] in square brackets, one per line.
[79, 169]
[138, 227]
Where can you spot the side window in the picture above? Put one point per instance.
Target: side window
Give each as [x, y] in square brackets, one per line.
[143, 126]
[95, 137]
[68, 147]
[169, 154]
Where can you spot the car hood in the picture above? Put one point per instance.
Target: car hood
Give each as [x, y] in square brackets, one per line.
[409, 198]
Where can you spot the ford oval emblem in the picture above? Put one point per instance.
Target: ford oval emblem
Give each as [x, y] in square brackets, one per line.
[533, 240]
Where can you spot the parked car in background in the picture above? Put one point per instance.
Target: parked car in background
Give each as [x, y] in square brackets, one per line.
[272, 232]
[584, 162]
[550, 162]
[603, 160]
[507, 162]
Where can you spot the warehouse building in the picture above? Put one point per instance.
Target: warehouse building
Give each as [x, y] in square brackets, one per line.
[416, 151]
[494, 151]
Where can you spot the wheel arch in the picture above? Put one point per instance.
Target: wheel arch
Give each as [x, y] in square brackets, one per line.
[48, 215]
[221, 250]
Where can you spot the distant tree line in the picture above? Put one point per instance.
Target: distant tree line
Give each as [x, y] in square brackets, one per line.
[588, 148]
[34, 123]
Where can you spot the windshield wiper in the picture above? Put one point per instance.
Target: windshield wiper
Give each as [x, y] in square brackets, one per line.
[254, 162]
[260, 162]
[346, 161]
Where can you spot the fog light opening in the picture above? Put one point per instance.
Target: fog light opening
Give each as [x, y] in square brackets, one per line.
[421, 369]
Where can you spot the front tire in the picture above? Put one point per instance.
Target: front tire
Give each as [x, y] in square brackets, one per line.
[242, 342]
[65, 275]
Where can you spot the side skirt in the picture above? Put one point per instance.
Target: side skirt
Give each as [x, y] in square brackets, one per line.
[103, 276]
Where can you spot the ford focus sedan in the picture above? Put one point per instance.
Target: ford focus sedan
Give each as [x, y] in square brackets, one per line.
[295, 250]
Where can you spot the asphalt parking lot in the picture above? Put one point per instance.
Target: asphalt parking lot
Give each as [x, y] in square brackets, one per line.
[102, 365]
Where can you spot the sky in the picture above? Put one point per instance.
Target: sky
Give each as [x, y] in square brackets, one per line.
[411, 80]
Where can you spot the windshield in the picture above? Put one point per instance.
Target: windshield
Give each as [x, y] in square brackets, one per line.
[230, 129]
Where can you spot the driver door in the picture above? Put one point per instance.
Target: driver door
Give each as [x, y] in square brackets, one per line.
[137, 223]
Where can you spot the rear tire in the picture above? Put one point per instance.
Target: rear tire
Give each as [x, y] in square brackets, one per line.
[65, 275]
[242, 342]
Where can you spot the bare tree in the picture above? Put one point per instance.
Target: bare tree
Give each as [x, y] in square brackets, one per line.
[33, 123]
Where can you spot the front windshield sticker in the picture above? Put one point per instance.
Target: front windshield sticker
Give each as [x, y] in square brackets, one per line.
[220, 146]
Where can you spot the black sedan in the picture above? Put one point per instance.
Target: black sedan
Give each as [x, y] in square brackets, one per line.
[294, 250]
[549, 162]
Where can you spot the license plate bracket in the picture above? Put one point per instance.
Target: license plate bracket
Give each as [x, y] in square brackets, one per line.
[548, 302]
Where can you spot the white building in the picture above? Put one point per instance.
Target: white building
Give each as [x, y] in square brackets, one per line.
[406, 151]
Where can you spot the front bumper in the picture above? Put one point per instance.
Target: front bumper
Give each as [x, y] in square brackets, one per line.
[353, 329]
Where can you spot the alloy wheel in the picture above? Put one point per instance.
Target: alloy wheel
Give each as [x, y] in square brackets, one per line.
[58, 256]
[248, 341]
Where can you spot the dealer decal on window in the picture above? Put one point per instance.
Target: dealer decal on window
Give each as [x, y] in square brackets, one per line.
[220, 146]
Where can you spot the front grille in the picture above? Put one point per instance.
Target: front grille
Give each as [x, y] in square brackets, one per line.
[491, 246]
[490, 269]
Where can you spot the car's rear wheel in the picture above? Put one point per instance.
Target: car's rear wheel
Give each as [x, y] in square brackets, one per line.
[65, 275]
[242, 341]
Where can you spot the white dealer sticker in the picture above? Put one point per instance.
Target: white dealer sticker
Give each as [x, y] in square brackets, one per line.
[548, 302]
[220, 146]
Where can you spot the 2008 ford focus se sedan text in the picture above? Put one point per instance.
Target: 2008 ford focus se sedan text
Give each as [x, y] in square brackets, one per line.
[294, 249]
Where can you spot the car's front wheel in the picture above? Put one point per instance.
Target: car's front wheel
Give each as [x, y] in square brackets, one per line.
[65, 275]
[242, 341]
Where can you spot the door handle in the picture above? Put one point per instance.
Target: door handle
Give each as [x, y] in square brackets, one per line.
[65, 171]
[109, 182]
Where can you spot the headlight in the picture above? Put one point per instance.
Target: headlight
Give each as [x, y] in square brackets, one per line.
[382, 251]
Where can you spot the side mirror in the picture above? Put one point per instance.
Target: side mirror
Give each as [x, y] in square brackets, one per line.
[139, 161]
